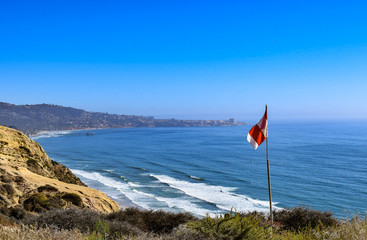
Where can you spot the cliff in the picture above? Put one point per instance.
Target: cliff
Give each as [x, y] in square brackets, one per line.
[30, 180]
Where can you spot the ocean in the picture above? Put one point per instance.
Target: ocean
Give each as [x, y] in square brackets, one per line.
[210, 170]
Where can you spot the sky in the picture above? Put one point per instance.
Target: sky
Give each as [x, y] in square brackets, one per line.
[307, 60]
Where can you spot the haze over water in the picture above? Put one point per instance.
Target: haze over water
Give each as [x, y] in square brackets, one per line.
[212, 169]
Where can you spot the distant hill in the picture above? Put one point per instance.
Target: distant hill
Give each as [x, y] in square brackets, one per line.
[32, 119]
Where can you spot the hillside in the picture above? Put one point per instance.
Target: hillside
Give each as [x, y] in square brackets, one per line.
[32, 119]
[31, 182]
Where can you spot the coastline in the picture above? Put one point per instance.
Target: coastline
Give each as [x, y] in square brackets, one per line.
[51, 133]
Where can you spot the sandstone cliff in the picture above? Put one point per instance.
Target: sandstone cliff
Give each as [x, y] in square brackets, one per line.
[30, 180]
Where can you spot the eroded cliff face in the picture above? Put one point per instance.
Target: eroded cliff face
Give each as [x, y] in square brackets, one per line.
[30, 180]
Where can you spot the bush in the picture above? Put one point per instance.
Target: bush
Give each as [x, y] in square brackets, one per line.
[36, 202]
[128, 222]
[33, 166]
[32, 163]
[230, 226]
[299, 218]
[73, 198]
[101, 230]
[151, 221]
[48, 188]
[17, 213]
[85, 220]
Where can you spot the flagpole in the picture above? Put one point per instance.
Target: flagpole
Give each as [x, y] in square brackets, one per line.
[269, 185]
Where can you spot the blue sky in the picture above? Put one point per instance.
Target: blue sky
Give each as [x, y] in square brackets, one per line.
[188, 59]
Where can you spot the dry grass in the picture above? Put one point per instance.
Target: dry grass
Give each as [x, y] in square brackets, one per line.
[22, 232]
[353, 229]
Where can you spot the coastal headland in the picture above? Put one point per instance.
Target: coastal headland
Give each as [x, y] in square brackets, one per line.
[32, 183]
[32, 119]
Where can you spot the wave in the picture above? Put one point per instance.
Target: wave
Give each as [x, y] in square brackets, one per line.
[222, 197]
[196, 178]
[49, 134]
[188, 175]
[139, 168]
[126, 188]
[187, 205]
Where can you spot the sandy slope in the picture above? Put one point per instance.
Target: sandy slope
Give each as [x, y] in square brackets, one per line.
[24, 167]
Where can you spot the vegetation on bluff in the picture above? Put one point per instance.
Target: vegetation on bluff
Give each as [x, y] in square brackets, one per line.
[30, 182]
[290, 224]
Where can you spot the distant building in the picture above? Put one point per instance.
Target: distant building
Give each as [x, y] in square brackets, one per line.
[232, 121]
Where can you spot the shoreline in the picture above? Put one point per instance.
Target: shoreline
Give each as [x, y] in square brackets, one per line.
[38, 134]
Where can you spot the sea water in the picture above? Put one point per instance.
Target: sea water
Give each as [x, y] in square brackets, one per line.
[210, 170]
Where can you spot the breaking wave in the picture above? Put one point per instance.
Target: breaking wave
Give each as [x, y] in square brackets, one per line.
[49, 134]
[192, 195]
[125, 188]
[222, 197]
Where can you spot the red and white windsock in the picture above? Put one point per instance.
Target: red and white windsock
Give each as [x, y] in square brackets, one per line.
[259, 132]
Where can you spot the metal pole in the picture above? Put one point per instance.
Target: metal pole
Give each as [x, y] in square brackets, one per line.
[267, 162]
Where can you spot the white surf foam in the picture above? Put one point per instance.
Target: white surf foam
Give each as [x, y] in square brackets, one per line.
[187, 205]
[223, 197]
[126, 188]
[49, 134]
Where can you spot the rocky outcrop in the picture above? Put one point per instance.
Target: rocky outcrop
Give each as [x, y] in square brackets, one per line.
[32, 182]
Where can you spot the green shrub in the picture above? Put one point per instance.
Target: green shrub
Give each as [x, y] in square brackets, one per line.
[33, 166]
[56, 202]
[299, 218]
[48, 188]
[101, 230]
[230, 226]
[36, 202]
[32, 162]
[264, 220]
[73, 198]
